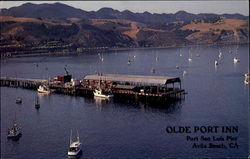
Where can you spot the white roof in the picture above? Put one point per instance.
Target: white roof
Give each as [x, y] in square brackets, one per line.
[152, 80]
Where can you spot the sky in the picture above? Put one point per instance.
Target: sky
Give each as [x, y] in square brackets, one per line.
[218, 7]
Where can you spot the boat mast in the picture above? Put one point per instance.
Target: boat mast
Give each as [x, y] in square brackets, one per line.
[37, 99]
[70, 139]
[78, 138]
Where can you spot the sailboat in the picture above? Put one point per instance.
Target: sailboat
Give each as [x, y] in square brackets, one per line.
[190, 57]
[246, 80]
[14, 131]
[75, 147]
[37, 104]
[129, 62]
[247, 75]
[216, 63]
[152, 70]
[236, 60]
[184, 73]
[220, 54]
[180, 52]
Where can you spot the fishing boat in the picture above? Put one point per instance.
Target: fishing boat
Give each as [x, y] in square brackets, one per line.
[44, 89]
[236, 60]
[14, 131]
[18, 100]
[100, 93]
[75, 146]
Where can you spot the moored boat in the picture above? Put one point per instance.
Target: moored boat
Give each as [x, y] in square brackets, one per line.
[100, 93]
[14, 131]
[44, 89]
[236, 60]
[247, 75]
[216, 63]
[37, 104]
[18, 100]
[246, 81]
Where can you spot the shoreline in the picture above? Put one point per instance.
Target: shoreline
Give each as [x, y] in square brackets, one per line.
[10, 55]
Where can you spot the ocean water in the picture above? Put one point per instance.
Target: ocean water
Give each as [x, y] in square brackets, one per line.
[217, 96]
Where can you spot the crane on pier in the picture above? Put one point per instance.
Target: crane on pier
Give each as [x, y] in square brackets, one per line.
[67, 73]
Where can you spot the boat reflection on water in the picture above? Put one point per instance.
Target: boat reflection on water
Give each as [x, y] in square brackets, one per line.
[100, 100]
[114, 103]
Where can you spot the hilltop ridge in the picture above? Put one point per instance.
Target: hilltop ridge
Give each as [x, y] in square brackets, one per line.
[59, 27]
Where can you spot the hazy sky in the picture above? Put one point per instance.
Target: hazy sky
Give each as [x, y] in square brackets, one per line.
[219, 7]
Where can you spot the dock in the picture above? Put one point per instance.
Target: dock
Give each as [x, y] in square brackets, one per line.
[22, 82]
[136, 87]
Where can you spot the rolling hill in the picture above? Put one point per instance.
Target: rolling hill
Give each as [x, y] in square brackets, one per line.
[58, 27]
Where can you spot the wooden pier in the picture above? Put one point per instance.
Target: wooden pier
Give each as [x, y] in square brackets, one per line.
[149, 88]
[22, 82]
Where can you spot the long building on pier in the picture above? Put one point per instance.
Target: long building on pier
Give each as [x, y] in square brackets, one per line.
[151, 86]
[132, 86]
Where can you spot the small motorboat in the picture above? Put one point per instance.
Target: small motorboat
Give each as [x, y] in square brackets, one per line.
[75, 147]
[18, 100]
[100, 93]
[44, 89]
[14, 131]
[236, 60]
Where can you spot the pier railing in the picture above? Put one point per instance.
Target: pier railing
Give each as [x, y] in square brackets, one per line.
[22, 82]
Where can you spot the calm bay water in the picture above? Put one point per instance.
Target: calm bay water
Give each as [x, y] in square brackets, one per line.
[111, 129]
